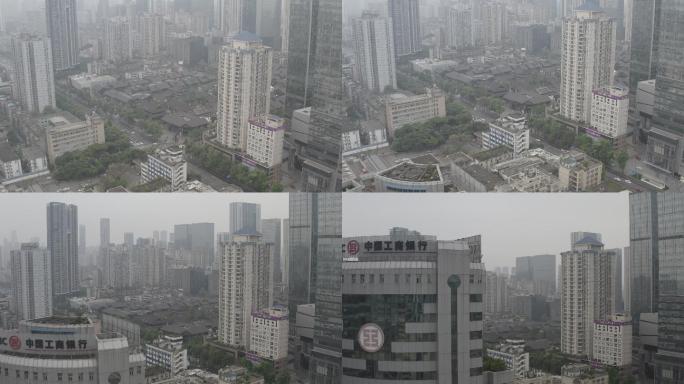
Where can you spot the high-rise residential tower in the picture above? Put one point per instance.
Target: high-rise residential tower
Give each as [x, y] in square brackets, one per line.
[587, 273]
[271, 229]
[405, 15]
[34, 85]
[245, 286]
[31, 282]
[62, 30]
[244, 83]
[118, 40]
[62, 247]
[228, 16]
[374, 52]
[105, 232]
[587, 59]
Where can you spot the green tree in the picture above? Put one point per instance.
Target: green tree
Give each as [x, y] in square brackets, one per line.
[493, 365]
[622, 157]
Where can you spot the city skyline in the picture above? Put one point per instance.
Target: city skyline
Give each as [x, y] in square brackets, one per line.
[488, 215]
[150, 211]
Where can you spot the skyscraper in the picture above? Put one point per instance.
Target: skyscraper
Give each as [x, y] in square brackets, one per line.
[374, 51]
[196, 242]
[300, 58]
[152, 32]
[244, 84]
[405, 15]
[105, 232]
[642, 63]
[665, 145]
[245, 286]
[62, 30]
[587, 59]
[245, 218]
[268, 22]
[320, 158]
[326, 356]
[31, 282]
[586, 293]
[62, 247]
[656, 236]
[538, 270]
[271, 229]
[118, 40]
[82, 240]
[34, 78]
[228, 16]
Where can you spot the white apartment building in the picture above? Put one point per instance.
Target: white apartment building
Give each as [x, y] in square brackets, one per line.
[586, 294]
[168, 353]
[31, 282]
[512, 352]
[34, 84]
[374, 51]
[497, 293]
[613, 341]
[245, 285]
[401, 109]
[511, 131]
[10, 163]
[587, 60]
[118, 40]
[609, 112]
[459, 31]
[63, 136]
[265, 137]
[244, 85]
[268, 338]
[168, 164]
[152, 31]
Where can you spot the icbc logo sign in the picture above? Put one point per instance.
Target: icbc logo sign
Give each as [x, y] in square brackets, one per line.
[371, 338]
[353, 247]
[14, 342]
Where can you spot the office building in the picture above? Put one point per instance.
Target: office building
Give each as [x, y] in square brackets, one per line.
[430, 289]
[82, 240]
[245, 286]
[31, 282]
[538, 271]
[510, 131]
[57, 350]
[320, 159]
[64, 137]
[268, 336]
[271, 229]
[265, 138]
[613, 341]
[665, 138]
[169, 165]
[268, 22]
[197, 241]
[118, 40]
[374, 52]
[152, 31]
[62, 30]
[167, 353]
[655, 236]
[62, 247]
[609, 113]
[244, 83]
[245, 218]
[33, 73]
[587, 60]
[512, 352]
[301, 51]
[401, 109]
[405, 15]
[586, 294]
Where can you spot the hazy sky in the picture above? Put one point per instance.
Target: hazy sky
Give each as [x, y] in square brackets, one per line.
[130, 212]
[511, 224]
